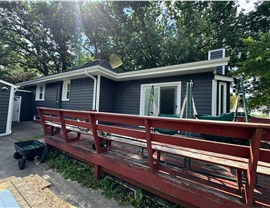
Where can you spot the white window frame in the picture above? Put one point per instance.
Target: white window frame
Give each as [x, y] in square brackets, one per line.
[38, 92]
[223, 99]
[158, 85]
[65, 90]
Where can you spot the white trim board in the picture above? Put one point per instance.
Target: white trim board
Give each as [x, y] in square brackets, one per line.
[223, 78]
[180, 69]
[28, 91]
[161, 84]
[224, 98]
[214, 98]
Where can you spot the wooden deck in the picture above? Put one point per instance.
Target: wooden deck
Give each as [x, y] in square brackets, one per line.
[171, 180]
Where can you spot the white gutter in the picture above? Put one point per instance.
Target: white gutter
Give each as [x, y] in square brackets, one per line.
[6, 83]
[94, 90]
[98, 91]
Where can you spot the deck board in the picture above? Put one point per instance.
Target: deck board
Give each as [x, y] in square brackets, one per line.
[125, 156]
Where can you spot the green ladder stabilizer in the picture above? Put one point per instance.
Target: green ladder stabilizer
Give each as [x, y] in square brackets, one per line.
[189, 106]
[240, 93]
[243, 94]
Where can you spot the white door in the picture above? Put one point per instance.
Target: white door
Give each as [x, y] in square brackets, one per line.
[17, 108]
[167, 98]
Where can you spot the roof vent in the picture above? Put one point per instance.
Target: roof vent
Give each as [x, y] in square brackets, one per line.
[215, 54]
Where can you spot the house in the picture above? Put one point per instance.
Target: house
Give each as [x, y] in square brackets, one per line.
[6, 107]
[98, 86]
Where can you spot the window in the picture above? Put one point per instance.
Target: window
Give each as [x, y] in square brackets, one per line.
[66, 90]
[160, 98]
[40, 93]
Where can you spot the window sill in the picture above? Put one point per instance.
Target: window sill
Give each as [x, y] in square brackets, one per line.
[65, 99]
[40, 100]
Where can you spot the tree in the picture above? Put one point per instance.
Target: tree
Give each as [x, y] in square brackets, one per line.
[152, 34]
[256, 70]
[36, 36]
[53, 36]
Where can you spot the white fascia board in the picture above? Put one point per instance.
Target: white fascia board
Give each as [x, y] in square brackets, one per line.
[223, 78]
[187, 68]
[180, 69]
[60, 76]
[7, 83]
[28, 91]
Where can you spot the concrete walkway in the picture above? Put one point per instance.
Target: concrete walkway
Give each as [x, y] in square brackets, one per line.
[69, 191]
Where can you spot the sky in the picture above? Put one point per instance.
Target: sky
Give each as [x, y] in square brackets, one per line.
[248, 5]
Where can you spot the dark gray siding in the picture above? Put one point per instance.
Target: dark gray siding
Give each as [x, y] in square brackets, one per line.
[26, 105]
[127, 93]
[4, 103]
[81, 95]
[51, 97]
[107, 90]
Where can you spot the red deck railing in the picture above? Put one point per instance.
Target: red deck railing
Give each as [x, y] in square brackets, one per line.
[138, 130]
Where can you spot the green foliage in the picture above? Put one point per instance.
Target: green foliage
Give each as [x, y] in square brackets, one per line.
[76, 171]
[37, 35]
[72, 169]
[232, 101]
[151, 34]
[256, 70]
[53, 36]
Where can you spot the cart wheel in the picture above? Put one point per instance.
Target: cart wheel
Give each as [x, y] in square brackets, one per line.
[17, 155]
[30, 158]
[21, 163]
[42, 157]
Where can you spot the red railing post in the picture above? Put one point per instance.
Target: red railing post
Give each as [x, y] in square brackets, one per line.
[42, 120]
[63, 125]
[252, 165]
[95, 132]
[149, 144]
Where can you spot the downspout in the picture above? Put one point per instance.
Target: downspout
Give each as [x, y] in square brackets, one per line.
[10, 111]
[98, 92]
[94, 90]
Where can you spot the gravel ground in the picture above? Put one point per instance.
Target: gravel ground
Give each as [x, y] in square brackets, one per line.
[70, 191]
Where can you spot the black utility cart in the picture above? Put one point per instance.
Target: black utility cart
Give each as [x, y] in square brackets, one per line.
[28, 150]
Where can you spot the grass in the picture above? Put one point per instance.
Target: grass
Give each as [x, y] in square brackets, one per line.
[112, 188]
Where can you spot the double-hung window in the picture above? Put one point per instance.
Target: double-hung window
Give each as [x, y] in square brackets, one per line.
[160, 98]
[40, 92]
[66, 90]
